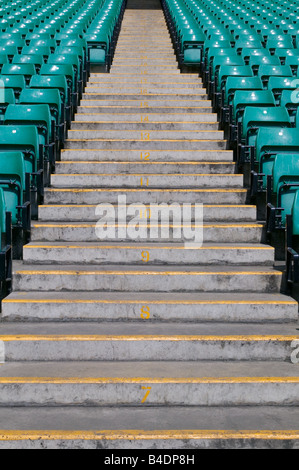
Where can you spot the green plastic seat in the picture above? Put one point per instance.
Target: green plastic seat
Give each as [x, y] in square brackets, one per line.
[27, 70]
[254, 119]
[278, 84]
[43, 51]
[37, 115]
[10, 51]
[6, 97]
[267, 71]
[244, 98]
[14, 82]
[256, 62]
[285, 42]
[51, 43]
[290, 100]
[35, 59]
[270, 142]
[68, 71]
[249, 52]
[295, 214]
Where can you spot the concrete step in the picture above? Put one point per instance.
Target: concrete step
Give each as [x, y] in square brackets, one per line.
[144, 145]
[163, 384]
[142, 195]
[147, 279]
[142, 427]
[146, 126]
[159, 79]
[196, 307]
[140, 69]
[144, 167]
[141, 229]
[215, 213]
[142, 94]
[131, 155]
[141, 108]
[146, 88]
[145, 102]
[145, 135]
[150, 180]
[120, 341]
[146, 254]
[144, 118]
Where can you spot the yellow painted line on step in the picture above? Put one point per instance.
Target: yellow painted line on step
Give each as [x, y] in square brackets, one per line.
[76, 162]
[144, 273]
[132, 139]
[152, 302]
[152, 190]
[130, 338]
[91, 225]
[140, 435]
[152, 380]
[227, 175]
[149, 247]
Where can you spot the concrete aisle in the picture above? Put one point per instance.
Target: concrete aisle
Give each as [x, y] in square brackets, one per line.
[159, 344]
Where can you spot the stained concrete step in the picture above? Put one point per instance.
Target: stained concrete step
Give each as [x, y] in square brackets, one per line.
[119, 69]
[161, 78]
[142, 94]
[144, 118]
[173, 155]
[145, 134]
[75, 142]
[146, 90]
[143, 83]
[151, 231]
[73, 212]
[120, 341]
[141, 108]
[142, 195]
[143, 167]
[146, 101]
[147, 278]
[150, 180]
[146, 254]
[164, 384]
[149, 307]
[263, 427]
[139, 125]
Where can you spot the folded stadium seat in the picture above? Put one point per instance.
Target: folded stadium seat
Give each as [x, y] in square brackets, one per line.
[37, 115]
[267, 71]
[53, 99]
[66, 74]
[15, 42]
[256, 62]
[79, 52]
[242, 99]
[292, 244]
[241, 44]
[72, 61]
[209, 44]
[6, 248]
[222, 75]
[281, 42]
[14, 82]
[218, 63]
[282, 186]
[249, 52]
[253, 120]
[282, 54]
[25, 139]
[232, 84]
[290, 100]
[6, 97]
[278, 84]
[270, 142]
[10, 51]
[16, 192]
[76, 42]
[35, 59]
[50, 42]
[211, 54]
[293, 62]
[43, 51]
[27, 70]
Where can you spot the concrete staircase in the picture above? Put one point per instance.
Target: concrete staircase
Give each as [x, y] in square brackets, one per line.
[145, 342]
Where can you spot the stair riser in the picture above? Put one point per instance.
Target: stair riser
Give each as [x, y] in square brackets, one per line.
[142, 168]
[193, 119]
[150, 181]
[116, 108]
[159, 312]
[118, 69]
[170, 256]
[144, 282]
[144, 196]
[74, 213]
[150, 97]
[110, 350]
[173, 88]
[146, 126]
[81, 234]
[151, 155]
[163, 394]
[144, 135]
[145, 102]
[160, 79]
[145, 145]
